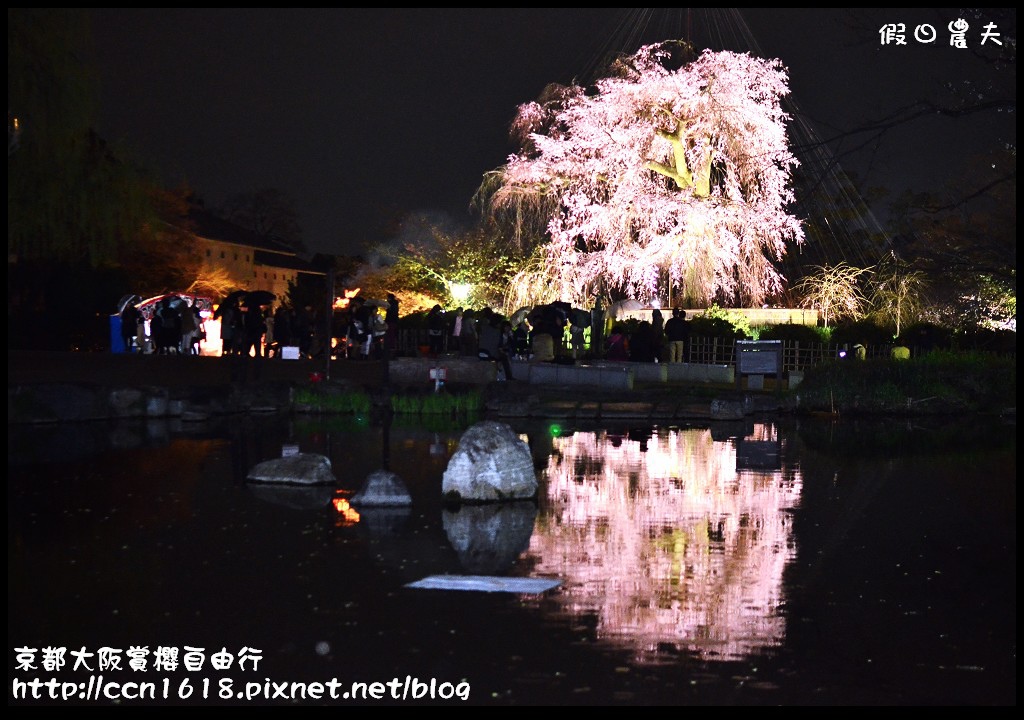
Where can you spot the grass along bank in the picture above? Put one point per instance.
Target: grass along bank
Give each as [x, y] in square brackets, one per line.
[933, 383]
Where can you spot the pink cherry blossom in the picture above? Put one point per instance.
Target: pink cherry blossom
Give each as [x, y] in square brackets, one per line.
[658, 176]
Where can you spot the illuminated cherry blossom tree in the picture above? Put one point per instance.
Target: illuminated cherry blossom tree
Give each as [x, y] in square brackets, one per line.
[663, 173]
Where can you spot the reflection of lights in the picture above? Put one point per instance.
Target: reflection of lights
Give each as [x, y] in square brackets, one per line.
[345, 510]
[671, 546]
[438, 448]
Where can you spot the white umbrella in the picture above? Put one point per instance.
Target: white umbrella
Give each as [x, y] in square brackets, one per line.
[618, 309]
[519, 315]
[124, 302]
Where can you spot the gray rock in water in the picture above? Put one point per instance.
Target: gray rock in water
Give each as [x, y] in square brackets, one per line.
[382, 489]
[491, 464]
[301, 469]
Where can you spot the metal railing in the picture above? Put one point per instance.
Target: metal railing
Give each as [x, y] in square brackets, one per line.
[700, 350]
[795, 354]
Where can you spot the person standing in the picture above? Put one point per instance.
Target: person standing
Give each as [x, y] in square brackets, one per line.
[142, 336]
[435, 330]
[363, 315]
[228, 314]
[658, 336]
[200, 335]
[641, 343]
[268, 336]
[253, 327]
[506, 346]
[189, 328]
[282, 329]
[521, 340]
[677, 333]
[577, 339]
[248, 362]
[302, 329]
[493, 342]
[391, 318]
[456, 335]
[468, 338]
[618, 344]
[167, 319]
[129, 327]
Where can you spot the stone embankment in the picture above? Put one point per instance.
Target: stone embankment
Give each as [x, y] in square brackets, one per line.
[68, 387]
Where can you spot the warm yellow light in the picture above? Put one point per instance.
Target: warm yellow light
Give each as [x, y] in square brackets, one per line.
[460, 291]
[340, 303]
[345, 510]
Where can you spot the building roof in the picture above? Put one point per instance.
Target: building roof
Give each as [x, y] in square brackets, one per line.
[287, 262]
[207, 225]
[267, 251]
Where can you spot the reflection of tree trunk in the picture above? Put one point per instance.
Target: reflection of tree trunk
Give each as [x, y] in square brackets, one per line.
[385, 441]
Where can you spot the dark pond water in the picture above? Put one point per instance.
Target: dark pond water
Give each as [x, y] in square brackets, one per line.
[766, 562]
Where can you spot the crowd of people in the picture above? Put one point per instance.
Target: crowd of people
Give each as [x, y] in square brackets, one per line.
[368, 329]
[655, 340]
[173, 326]
[177, 325]
[555, 332]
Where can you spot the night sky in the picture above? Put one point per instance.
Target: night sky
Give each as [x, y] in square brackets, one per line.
[365, 115]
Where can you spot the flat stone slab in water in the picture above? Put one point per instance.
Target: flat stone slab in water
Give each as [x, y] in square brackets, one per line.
[301, 469]
[486, 583]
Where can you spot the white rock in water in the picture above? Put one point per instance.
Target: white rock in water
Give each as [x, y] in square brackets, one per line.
[492, 463]
[382, 489]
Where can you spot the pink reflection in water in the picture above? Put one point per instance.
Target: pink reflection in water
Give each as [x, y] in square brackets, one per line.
[667, 542]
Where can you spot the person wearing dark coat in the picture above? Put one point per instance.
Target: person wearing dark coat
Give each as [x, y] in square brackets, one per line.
[230, 327]
[641, 343]
[658, 337]
[391, 318]
[521, 341]
[129, 327]
[435, 330]
[494, 337]
[363, 315]
[282, 329]
[677, 332]
[167, 321]
[253, 327]
[246, 364]
[302, 329]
